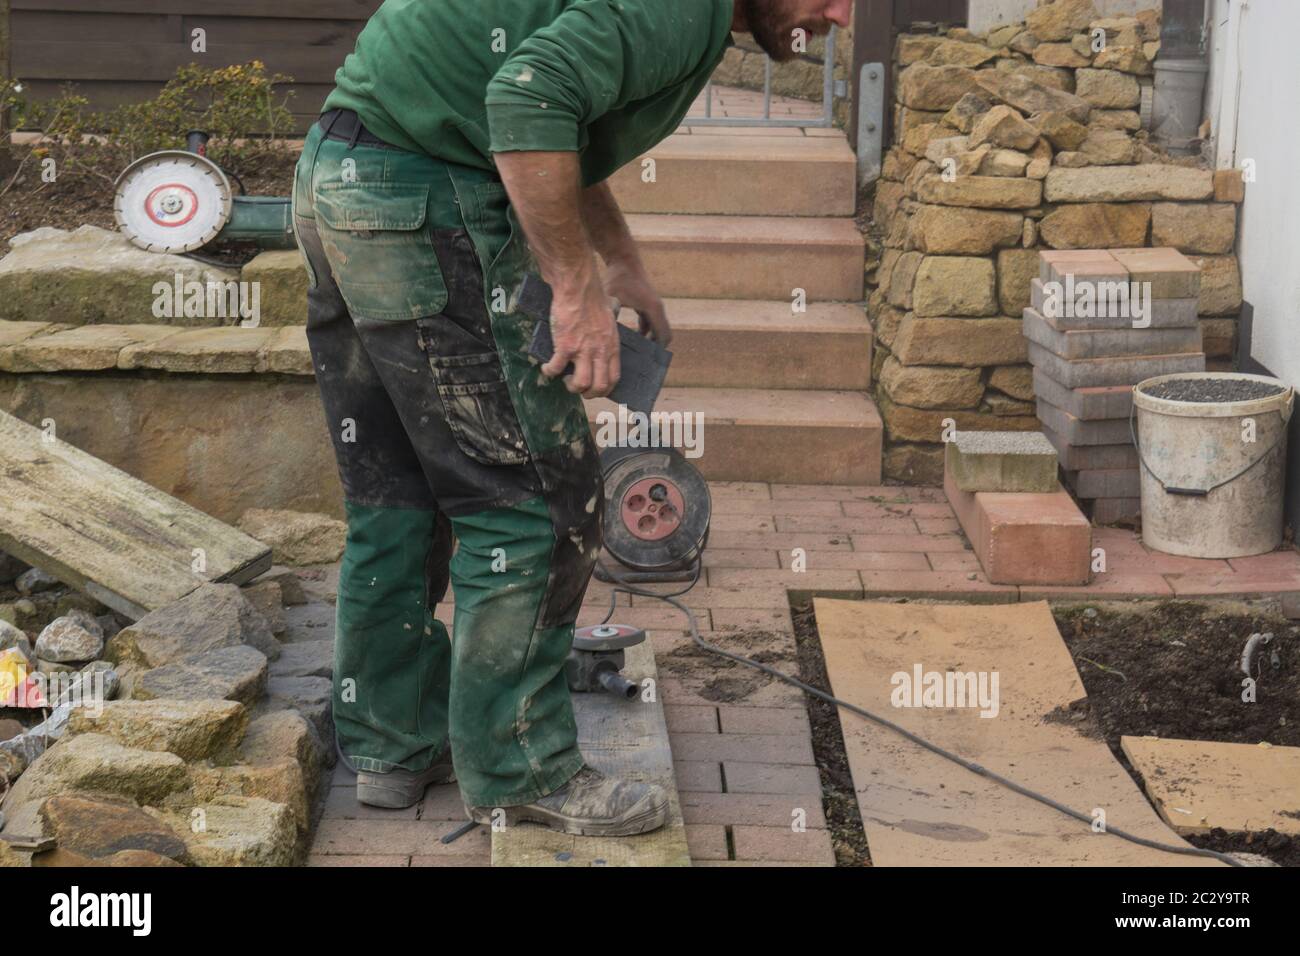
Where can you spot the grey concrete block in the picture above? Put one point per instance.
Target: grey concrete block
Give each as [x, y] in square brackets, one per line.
[1114, 510]
[1076, 431]
[1002, 461]
[1089, 457]
[1081, 373]
[1106, 483]
[1089, 404]
[1162, 313]
[1109, 343]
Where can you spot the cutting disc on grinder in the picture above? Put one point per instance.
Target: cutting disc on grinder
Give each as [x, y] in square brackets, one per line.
[172, 201]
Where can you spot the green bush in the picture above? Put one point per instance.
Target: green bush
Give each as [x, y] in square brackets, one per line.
[239, 106]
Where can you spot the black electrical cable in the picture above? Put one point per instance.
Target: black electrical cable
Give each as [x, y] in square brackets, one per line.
[970, 765]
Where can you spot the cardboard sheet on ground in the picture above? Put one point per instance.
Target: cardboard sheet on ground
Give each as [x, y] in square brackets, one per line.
[1201, 784]
[625, 738]
[922, 810]
[92, 526]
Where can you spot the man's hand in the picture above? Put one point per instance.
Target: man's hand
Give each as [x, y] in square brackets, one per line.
[629, 285]
[585, 333]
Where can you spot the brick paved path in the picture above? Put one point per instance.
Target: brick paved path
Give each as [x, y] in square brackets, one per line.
[742, 745]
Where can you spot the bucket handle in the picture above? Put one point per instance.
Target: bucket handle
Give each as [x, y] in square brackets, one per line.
[1285, 411]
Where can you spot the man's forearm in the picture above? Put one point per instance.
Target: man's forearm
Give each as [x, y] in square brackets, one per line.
[606, 226]
[546, 191]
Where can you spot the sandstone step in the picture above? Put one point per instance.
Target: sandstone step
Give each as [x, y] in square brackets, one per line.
[747, 344]
[742, 176]
[751, 257]
[790, 436]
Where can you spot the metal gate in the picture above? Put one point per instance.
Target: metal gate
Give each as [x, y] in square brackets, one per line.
[826, 118]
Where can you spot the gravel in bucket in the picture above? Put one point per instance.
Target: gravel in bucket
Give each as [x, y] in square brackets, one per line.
[1213, 390]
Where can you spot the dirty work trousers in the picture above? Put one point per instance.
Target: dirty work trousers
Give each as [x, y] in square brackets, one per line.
[447, 437]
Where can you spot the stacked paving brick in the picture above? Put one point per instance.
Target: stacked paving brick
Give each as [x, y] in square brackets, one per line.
[1022, 525]
[1009, 143]
[1101, 321]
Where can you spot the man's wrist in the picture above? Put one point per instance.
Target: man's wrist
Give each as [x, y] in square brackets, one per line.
[572, 280]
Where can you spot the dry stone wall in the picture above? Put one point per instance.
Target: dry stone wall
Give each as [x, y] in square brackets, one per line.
[1027, 138]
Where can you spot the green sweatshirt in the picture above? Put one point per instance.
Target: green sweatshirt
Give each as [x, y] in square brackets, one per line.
[463, 79]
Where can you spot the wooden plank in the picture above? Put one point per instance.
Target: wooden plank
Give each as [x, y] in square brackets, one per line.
[1198, 785]
[622, 738]
[62, 27]
[907, 12]
[266, 32]
[298, 9]
[920, 809]
[96, 528]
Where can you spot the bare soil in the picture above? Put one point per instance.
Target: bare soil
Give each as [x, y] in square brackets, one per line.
[1172, 669]
[728, 681]
[839, 798]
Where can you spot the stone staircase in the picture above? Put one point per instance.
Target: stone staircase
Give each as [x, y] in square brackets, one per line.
[731, 222]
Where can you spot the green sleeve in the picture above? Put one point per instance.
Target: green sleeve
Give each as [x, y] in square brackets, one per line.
[596, 56]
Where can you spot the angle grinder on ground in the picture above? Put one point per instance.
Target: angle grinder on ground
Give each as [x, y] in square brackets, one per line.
[179, 200]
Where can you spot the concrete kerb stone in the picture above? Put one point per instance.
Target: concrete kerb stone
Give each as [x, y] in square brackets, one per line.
[1002, 461]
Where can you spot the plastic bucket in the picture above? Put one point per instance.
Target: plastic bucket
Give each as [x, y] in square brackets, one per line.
[1212, 471]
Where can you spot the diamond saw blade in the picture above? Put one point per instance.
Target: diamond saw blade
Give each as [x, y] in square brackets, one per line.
[172, 201]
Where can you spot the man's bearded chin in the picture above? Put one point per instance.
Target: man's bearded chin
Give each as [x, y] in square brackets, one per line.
[772, 25]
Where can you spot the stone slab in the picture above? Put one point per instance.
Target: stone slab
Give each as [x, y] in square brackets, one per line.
[281, 286]
[1172, 275]
[1200, 785]
[1114, 510]
[1083, 457]
[86, 348]
[12, 333]
[922, 810]
[1160, 313]
[1149, 181]
[1095, 265]
[1109, 343]
[92, 276]
[1088, 404]
[1076, 431]
[229, 349]
[1080, 373]
[1106, 482]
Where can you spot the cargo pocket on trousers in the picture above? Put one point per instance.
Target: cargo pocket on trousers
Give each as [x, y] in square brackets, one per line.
[478, 409]
[379, 250]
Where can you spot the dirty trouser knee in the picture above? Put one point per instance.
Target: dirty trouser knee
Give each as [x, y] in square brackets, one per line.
[437, 413]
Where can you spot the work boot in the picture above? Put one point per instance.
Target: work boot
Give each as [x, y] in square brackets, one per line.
[398, 789]
[590, 804]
